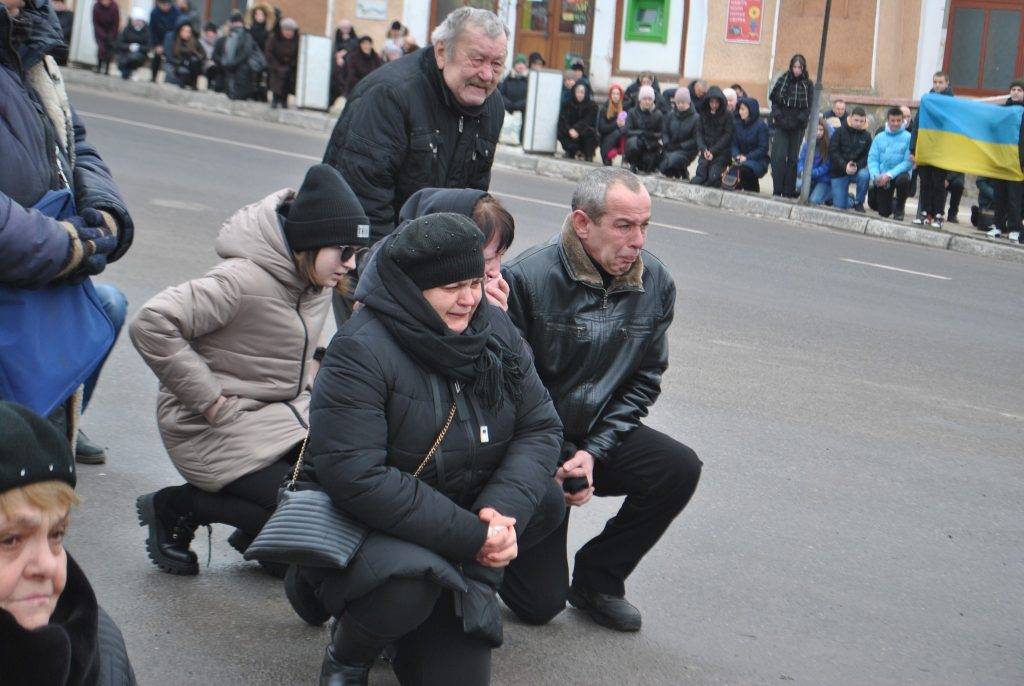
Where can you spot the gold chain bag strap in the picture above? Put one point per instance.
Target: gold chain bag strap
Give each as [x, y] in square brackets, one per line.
[307, 529]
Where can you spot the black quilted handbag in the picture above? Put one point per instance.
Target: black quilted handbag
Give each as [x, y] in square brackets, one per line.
[307, 529]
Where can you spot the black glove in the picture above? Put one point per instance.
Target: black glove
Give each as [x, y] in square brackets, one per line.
[97, 242]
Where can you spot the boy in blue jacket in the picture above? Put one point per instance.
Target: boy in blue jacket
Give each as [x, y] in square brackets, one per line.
[890, 166]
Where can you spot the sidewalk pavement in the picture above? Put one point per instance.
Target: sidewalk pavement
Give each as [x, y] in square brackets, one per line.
[958, 238]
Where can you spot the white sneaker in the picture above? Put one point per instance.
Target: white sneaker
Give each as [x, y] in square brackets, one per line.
[1014, 236]
[937, 223]
[994, 232]
[919, 220]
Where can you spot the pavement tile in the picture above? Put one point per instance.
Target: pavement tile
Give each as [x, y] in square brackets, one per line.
[856, 223]
[757, 205]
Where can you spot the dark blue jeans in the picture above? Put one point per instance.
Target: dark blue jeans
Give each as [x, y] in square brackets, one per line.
[116, 306]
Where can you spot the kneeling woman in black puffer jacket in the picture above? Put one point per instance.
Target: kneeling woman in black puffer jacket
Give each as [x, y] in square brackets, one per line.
[425, 579]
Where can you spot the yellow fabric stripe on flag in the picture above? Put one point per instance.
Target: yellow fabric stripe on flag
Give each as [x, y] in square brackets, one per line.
[956, 152]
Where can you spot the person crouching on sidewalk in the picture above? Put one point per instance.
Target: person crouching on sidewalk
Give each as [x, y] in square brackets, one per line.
[52, 631]
[236, 355]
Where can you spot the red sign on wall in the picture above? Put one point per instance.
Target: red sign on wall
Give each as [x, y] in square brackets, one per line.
[743, 21]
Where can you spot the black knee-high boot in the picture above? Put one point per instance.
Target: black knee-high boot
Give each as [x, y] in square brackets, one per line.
[353, 649]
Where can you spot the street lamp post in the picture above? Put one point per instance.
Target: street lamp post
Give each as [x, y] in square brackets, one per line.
[810, 136]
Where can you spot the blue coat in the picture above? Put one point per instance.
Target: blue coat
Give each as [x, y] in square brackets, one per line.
[750, 138]
[890, 153]
[820, 170]
[34, 248]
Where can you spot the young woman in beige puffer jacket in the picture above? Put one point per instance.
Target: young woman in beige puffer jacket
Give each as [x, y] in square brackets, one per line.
[236, 353]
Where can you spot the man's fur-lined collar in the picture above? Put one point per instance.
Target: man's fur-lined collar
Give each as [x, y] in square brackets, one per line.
[581, 268]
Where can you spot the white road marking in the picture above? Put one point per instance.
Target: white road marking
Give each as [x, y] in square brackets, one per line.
[178, 205]
[563, 206]
[199, 136]
[897, 269]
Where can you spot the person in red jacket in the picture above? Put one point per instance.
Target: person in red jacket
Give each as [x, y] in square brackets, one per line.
[106, 21]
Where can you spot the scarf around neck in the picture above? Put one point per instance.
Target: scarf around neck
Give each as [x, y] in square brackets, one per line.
[476, 358]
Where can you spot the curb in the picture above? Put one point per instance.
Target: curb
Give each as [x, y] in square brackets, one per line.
[569, 170]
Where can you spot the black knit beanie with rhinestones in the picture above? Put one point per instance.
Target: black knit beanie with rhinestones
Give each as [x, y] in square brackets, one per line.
[31, 449]
[439, 249]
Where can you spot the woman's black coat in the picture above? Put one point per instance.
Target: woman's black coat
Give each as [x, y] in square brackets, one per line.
[679, 133]
[81, 646]
[374, 415]
[581, 116]
[645, 125]
[714, 130]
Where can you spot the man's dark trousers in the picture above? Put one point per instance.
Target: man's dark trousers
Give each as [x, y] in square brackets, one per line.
[658, 475]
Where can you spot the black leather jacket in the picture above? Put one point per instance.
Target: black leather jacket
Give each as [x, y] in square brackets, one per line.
[600, 352]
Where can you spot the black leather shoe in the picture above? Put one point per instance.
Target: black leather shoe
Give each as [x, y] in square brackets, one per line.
[168, 546]
[334, 673]
[87, 452]
[606, 610]
[303, 599]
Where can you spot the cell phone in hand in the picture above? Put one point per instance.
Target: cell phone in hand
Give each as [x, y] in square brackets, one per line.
[575, 484]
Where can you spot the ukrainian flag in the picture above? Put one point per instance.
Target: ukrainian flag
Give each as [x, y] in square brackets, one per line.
[970, 137]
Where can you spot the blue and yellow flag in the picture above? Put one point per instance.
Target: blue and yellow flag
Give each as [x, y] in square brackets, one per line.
[970, 137]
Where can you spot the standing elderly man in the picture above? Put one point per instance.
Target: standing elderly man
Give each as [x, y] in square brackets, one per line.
[595, 308]
[431, 120]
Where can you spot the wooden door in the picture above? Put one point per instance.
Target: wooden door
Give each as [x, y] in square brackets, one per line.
[558, 29]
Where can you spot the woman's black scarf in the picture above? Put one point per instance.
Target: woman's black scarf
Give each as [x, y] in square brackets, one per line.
[476, 358]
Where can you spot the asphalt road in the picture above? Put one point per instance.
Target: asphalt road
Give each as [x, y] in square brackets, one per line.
[862, 430]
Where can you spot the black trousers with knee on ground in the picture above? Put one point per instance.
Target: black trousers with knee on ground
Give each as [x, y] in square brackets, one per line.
[784, 156]
[955, 188]
[709, 172]
[898, 187]
[642, 155]
[658, 475]
[932, 196]
[418, 616]
[1008, 203]
[246, 503]
[748, 180]
[676, 164]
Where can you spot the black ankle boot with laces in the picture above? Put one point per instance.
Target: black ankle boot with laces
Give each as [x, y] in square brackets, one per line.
[172, 527]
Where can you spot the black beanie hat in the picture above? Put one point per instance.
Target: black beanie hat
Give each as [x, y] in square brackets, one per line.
[439, 249]
[31, 449]
[325, 212]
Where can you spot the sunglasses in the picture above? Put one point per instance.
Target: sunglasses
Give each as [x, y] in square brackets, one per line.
[348, 252]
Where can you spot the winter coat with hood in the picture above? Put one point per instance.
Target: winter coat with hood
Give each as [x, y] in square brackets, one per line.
[80, 646]
[359, 65]
[791, 98]
[37, 125]
[162, 23]
[402, 130]
[282, 61]
[233, 53]
[679, 131]
[581, 116]
[848, 145]
[182, 58]
[890, 153]
[247, 331]
[261, 31]
[130, 36]
[513, 92]
[377, 410]
[632, 97]
[750, 138]
[106, 21]
[714, 130]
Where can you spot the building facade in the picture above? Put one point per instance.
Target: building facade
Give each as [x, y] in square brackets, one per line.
[878, 50]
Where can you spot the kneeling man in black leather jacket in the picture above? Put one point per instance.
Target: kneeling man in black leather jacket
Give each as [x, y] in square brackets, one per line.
[596, 308]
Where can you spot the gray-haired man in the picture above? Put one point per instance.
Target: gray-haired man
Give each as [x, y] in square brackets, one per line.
[596, 309]
[430, 119]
